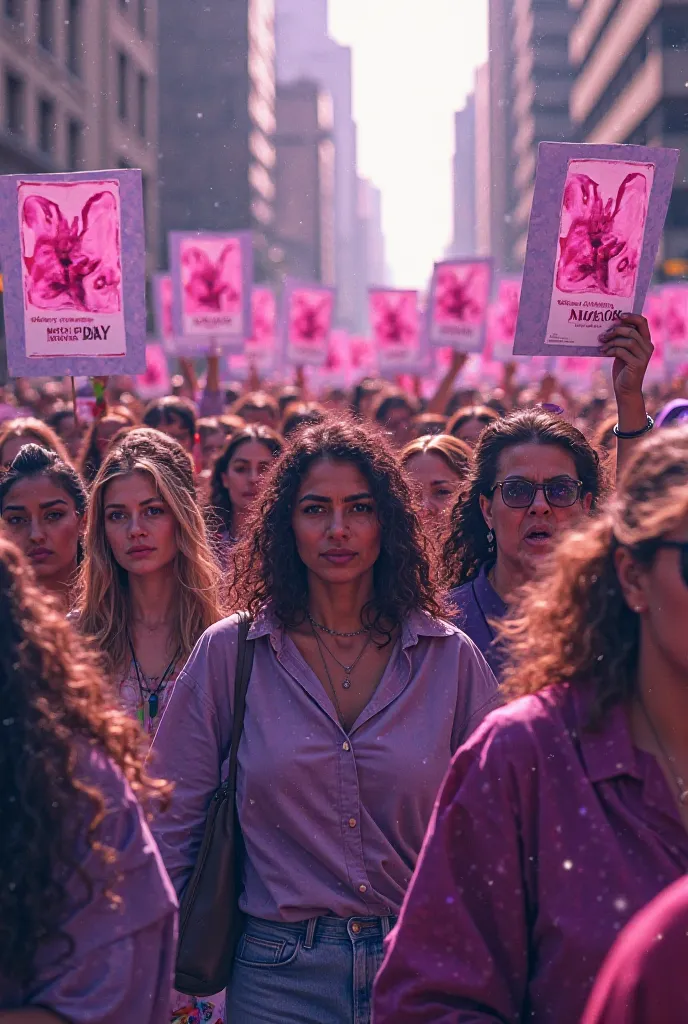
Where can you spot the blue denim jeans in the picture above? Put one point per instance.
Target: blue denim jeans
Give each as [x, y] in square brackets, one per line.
[315, 972]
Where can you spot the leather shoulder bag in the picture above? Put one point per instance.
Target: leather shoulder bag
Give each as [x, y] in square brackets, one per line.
[210, 922]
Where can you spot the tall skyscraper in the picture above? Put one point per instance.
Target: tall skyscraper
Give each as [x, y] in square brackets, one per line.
[217, 119]
[630, 63]
[304, 50]
[304, 179]
[79, 89]
[463, 236]
[530, 83]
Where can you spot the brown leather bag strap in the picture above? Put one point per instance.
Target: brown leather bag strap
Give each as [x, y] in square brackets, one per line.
[244, 664]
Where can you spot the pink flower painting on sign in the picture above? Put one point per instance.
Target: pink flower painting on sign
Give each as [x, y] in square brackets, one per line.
[211, 275]
[362, 356]
[602, 226]
[264, 314]
[156, 380]
[166, 305]
[310, 316]
[394, 320]
[71, 246]
[502, 319]
[461, 293]
[675, 304]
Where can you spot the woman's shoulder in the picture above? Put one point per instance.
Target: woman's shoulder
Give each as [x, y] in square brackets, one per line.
[527, 728]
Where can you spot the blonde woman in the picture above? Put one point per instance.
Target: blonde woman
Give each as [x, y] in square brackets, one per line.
[149, 589]
[149, 586]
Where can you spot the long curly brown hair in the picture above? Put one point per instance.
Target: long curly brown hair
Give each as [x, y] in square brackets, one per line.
[573, 624]
[466, 547]
[54, 705]
[267, 566]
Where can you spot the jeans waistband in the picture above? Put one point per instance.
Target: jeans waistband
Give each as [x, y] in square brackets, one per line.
[329, 927]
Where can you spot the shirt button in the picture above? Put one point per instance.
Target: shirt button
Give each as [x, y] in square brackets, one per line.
[345, 746]
[352, 823]
[355, 927]
[363, 888]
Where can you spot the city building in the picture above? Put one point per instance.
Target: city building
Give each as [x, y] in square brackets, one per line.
[217, 121]
[530, 83]
[464, 178]
[373, 262]
[630, 63]
[304, 181]
[485, 190]
[304, 50]
[78, 89]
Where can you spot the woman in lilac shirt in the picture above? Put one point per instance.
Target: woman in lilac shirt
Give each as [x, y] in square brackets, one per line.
[568, 810]
[87, 913]
[359, 694]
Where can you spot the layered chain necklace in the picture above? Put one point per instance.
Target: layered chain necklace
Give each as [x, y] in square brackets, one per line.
[322, 647]
[147, 691]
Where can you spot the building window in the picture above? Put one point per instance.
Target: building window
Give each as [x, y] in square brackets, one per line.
[143, 105]
[13, 9]
[74, 140]
[122, 85]
[73, 26]
[46, 17]
[14, 104]
[46, 125]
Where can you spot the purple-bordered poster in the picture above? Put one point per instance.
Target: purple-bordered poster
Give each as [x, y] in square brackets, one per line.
[395, 328]
[260, 351]
[212, 278]
[501, 319]
[459, 297]
[306, 322]
[595, 226]
[73, 259]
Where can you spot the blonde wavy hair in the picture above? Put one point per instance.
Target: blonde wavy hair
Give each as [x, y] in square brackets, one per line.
[572, 624]
[103, 605]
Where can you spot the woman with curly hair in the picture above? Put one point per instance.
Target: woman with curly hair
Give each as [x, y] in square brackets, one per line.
[87, 913]
[43, 506]
[533, 476]
[358, 696]
[568, 811]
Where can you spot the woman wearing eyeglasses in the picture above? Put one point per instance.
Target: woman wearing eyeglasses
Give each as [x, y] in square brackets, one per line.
[568, 810]
[533, 475]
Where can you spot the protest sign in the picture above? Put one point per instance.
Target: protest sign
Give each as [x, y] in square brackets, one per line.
[457, 309]
[260, 350]
[155, 382]
[674, 299]
[212, 278]
[395, 329]
[73, 258]
[501, 319]
[595, 226]
[306, 322]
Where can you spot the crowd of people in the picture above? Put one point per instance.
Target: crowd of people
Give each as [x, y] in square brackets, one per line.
[461, 758]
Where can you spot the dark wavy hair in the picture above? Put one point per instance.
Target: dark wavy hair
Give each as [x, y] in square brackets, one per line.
[466, 548]
[32, 461]
[267, 566]
[55, 706]
[573, 624]
[220, 502]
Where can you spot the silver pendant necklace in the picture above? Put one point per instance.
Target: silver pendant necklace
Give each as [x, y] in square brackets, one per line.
[336, 632]
[348, 669]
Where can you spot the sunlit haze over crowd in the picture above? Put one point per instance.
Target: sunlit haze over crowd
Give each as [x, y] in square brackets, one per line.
[413, 64]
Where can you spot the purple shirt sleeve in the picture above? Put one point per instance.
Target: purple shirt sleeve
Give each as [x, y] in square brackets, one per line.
[642, 980]
[122, 963]
[459, 953]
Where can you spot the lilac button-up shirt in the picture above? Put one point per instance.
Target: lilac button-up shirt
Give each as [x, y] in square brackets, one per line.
[546, 839]
[120, 968]
[478, 605]
[332, 822]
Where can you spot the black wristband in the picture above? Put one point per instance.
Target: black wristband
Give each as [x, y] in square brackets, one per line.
[629, 435]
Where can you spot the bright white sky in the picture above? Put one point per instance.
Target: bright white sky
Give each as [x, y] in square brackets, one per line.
[413, 67]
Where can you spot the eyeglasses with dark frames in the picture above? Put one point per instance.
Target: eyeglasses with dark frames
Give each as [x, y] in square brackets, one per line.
[560, 492]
